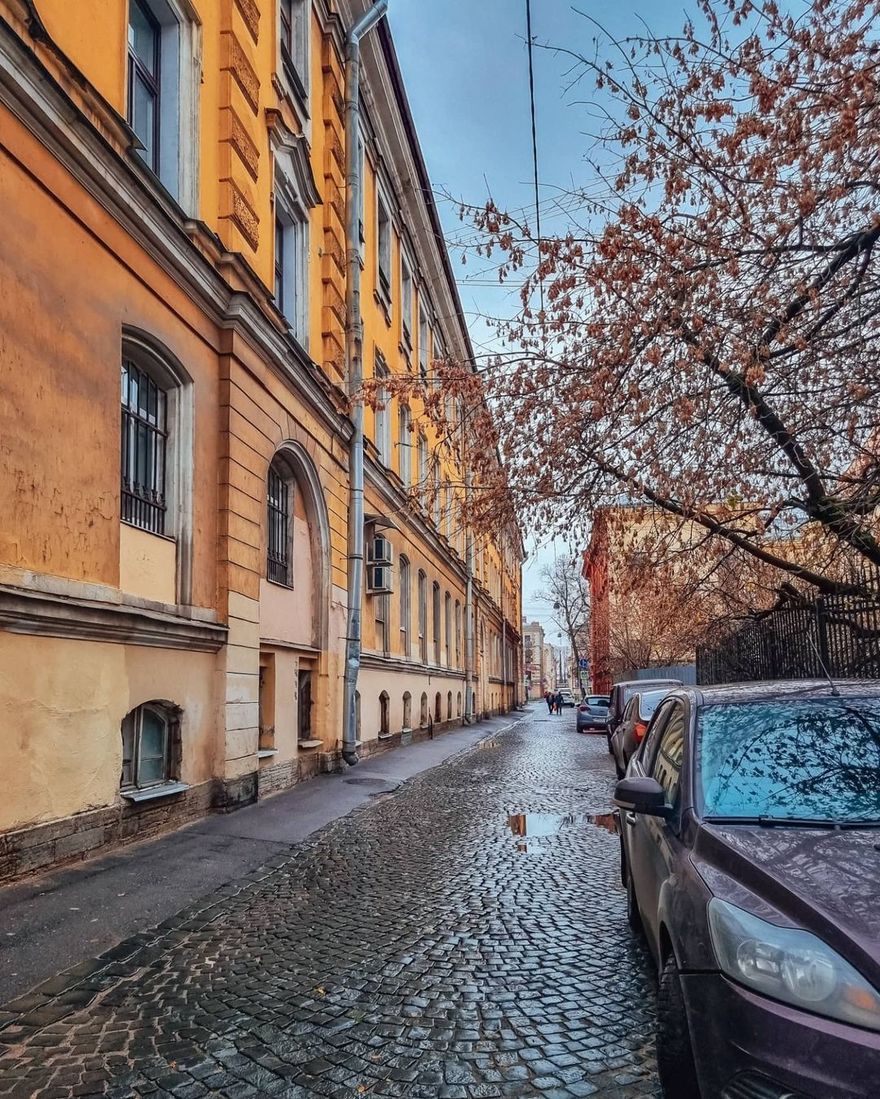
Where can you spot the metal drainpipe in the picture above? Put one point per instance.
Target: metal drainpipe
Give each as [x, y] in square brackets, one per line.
[354, 335]
[469, 620]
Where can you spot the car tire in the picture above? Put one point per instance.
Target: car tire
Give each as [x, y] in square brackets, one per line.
[675, 1055]
[633, 916]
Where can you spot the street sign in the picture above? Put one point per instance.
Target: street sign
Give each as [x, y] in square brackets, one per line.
[583, 663]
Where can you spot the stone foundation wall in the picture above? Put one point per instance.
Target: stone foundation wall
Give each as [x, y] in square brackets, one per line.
[76, 837]
[280, 776]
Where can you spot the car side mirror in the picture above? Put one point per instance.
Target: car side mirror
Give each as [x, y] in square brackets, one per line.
[642, 795]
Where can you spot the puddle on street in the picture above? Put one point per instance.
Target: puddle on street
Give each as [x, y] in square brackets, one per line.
[532, 829]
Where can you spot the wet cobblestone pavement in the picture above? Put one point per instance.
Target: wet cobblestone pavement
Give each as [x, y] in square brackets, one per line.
[423, 946]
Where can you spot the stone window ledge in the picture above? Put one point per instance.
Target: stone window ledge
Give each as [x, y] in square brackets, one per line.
[150, 793]
[266, 753]
[309, 744]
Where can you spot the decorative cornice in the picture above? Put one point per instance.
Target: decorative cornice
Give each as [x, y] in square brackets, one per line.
[399, 664]
[48, 615]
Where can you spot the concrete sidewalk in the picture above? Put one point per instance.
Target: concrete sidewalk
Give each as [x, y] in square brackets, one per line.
[58, 919]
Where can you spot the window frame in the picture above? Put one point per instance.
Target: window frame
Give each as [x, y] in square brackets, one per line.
[407, 291]
[295, 56]
[382, 415]
[405, 609]
[384, 244]
[170, 724]
[404, 446]
[279, 549]
[292, 232]
[151, 80]
[144, 506]
[178, 79]
[423, 616]
[436, 611]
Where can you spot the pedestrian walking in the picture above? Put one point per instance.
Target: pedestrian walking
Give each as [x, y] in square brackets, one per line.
[548, 698]
[559, 702]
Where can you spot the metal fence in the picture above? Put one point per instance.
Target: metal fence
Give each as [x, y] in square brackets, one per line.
[838, 635]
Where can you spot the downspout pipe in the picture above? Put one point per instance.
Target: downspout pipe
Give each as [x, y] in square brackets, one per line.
[354, 375]
[469, 621]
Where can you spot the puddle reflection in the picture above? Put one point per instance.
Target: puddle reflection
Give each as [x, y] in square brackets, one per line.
[534, 828]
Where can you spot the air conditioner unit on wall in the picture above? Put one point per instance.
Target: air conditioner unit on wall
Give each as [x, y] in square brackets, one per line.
[380, 552]
[379, 579]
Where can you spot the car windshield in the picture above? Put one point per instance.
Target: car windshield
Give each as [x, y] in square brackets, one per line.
[650, 700]
[809, 760]
[597, 700]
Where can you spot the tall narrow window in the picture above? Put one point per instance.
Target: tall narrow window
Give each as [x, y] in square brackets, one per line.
[383, 248]
[279, 263]
[436, 623]
[144, 38]
[278, 506]
[424, 486]
[144, 438]
[424, 349]
[436, 508]
[457, 634]
[294, 18]
[423, 618]
[447, 622]
[380, 612]
[406, 303]
[383, 418]
[404, 605]
[291, 261]
[404, 445]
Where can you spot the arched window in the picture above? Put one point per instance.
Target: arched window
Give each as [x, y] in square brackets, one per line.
[436, 623]
[458, 704]
[384, 724]
[438, 707]
[447, 621]
[407, 710]
[423, 617]
[280, 489]
[404, 606]
[423, 711]
[150, 746]
[449, 705]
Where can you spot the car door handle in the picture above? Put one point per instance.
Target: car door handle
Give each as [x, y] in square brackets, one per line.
[631, 818]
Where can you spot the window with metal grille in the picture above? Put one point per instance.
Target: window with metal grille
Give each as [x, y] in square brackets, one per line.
[144, 442]
[144, 37]
[278, 506]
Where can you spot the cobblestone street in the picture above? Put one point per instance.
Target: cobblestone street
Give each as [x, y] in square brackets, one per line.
[422, 946]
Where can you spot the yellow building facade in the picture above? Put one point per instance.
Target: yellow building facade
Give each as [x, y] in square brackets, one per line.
[174, 429]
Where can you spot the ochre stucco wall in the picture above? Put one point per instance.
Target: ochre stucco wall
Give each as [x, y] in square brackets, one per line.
[61, 707]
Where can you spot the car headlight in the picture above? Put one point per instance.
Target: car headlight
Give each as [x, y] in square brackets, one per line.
[790, 965]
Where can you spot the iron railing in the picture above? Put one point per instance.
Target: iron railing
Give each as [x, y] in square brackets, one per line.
[835, 635]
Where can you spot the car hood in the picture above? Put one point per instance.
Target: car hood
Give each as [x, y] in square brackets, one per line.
[826, 881]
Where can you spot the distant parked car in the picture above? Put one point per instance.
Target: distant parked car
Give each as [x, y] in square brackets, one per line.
[592, 714]
[621, 693]
[566, 695]
[631, 731]
[750, 817]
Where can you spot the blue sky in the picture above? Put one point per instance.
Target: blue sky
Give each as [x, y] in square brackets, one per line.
[465, 67]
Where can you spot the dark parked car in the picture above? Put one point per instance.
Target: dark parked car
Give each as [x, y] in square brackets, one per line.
[621, 693]
[631, 731]
[750, 857]
[592, 714]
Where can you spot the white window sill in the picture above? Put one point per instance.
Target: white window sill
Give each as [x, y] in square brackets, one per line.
[150, 793]
[310, 744]
[266, 753]
[386, 736]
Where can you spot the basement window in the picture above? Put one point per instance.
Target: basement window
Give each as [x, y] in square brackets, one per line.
[150, 751]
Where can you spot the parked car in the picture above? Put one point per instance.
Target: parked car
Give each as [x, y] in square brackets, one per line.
[592, 714]
[749, 842]
[631, 731]
[567, 696]
[621, 693]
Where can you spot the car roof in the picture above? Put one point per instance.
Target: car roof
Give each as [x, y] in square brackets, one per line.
[771, 689]
[648, 683]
